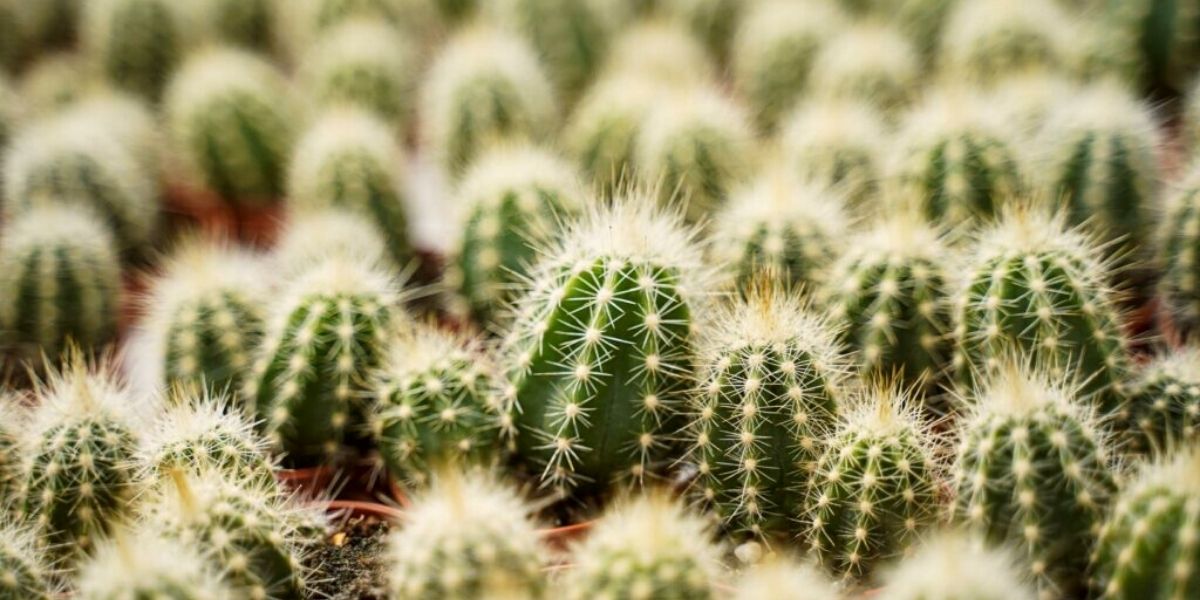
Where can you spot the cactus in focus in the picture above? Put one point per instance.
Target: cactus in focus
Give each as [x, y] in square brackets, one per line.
[310, 237]
[468, 536]
[1148, 545]
[955, 565]
[599, 354]
[367, 65]
[773, 53]
[986, 40]
[645, 547]
[231, 122]
[349, 160]
[60, 280]
[780, 579]
[658, 52]
[782, 223]
[875, 486]
[326, 333]
[869, 63]
[1033, 470]
[954, 158]
[836, 142]
[1164, 405]
[773, 377]
[136, 43]
[485, 86]
[604, 128]
[513, 200]
[144, 565]
[27, 573]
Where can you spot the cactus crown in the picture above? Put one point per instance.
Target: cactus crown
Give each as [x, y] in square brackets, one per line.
[660, 52]
[954, 565]
[836, 141]
[988, 39]
[311, 237]
[143, 564]
[25, 571]
[780, 579]
[871, 62]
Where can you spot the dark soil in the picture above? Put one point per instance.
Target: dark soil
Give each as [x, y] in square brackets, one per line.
[351, 563]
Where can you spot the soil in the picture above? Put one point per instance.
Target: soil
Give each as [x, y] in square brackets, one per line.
[351, 561]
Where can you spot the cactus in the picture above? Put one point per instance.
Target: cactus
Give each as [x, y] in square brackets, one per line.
[28, 574]
[892, 289]
[126, 119]
[79, 464]
[60, 280]
[484, 86]
[11, 109]
[774, 51]
[144, 564]
[53, 23]
[312, 236]
[14, 415]
[327, 14]
[660, 52]
[1035, 287]
[1033, 471]
[783, 223]
[772, 380]
[694, 146]
[955, 565]
[1026, 103]
[231, 122]
[135, 43]
[713, 22]
[468, 536]
[921, 20]
[514, 199]
[1147, 547]
[204, 318]
[645, 547]
[986, 40]
[870, 63]
[952, 154]
[54, 81]
[780, 579]
[13, 37]
[365, 64]
[1178, 243]
[68, 161]
[836, 142]
[252, 24]
[326, 333]
[605, 126]
[875, 486]
[599, 355]
[1164, 406]
[1161, 40]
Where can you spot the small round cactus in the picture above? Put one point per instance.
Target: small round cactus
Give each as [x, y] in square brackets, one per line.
[1148, 546]
[661, 52]
[875, 486]
[953, 156]
[144, 564]
[985, 40]
[468, 536]
[135, 43]
[646, 547]
[869, 63]
[232, 124]
[513, 200]
[349, 160]
[604, 128]
[125, 118]
[783, 223]
[326, 333]
[955, 565]
[1033, 470]
[1164, 405]
[204, 318]
[364, 64]
[772, 379]
[599, 354]
[836, 142]
[892, 289]
[485, 86]
[781, 579]
[313, 236]
[694, 146]
[60, 280]
[773, 54]
[27, 573]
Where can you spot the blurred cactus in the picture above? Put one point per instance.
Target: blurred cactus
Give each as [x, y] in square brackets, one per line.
[1164, 405]
[955, 565]
[713, 22]
[838, 142]
[312, 236]
[53, 23]
[659, 52]
[128, 120]
[252, 24]
[136, 44]
[1178, 246]
[54, 81]
[144, 564]
[28, 574]
[986, 40]
[604, 129]
[779, 579]
[921, 20]
[365, 64]
[14, 416]
[1160, 40]
[868, 63]
[14, 40]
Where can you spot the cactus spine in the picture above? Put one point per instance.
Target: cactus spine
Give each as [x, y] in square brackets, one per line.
[836, 142]
[26, 573]
[874, 487]
[514, 199]
[869, 63]
[137, 43]
[60, 280]
[1033, 471]
[365, 64]
[468, 537]
[1164, 407]
[600, 350]
[986, 40]
[143, 564]
[772, 380]
[1149, 546]
[955, 565]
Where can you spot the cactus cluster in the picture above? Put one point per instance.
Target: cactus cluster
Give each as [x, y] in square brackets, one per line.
[136, 43]
[144, 564]
[365, 64]
[1164, 404]
[836, 141]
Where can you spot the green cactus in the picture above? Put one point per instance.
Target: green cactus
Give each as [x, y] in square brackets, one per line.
[1033, 470]
[774, 52]
[875, 486]
[604, 128]
[232, 124]
[13, 36]
[136, 44]
[80, 475]
[326, 333]
[28, 574]
[144, 564]
[772, 381]
[60, 280]
[892, 289]
[128, 120]
[783, 223]
[713, 22]
[954, 158]
[660, 52]
[1148, 545]
[513, 200]
[467, 537]
[14, 415]
[955, 565]
[55, 80]
[836, 142]
[252, 24]
[599, 355]
[781, 579]
[311, 236]
[1160, 40]
[1164, 406]
[986, 40]
[11, 110]
[327, 14]
[365, 64]
[485, 86]
[870, 63]
[457, 11]
[53, 23]
[1038, 288]
[1178, 246]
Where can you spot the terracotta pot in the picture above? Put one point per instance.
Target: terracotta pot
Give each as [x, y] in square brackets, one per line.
[312, 481]
[364, 509]
[260, 224]
[398, 493]
[189, 207]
